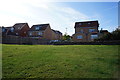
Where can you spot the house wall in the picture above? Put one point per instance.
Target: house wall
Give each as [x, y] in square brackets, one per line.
[56, 36]
[85, 29]
[23, 32]
[86, 34]
[48, 33]
[60, 36]
[35, 34]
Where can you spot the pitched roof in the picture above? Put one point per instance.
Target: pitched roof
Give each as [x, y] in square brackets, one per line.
[19, 26]
[86, 23]
[57, 32]
[39, 27]
[103, 31]
[8, 31]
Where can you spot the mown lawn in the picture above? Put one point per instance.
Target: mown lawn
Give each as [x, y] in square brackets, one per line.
[65, 61]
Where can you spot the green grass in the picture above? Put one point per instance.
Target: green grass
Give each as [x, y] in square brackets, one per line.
[65, 61]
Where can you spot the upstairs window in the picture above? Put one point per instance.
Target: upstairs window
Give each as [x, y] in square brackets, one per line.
[79, 37]
[12, 29]
[91, 30]
[80, 23]
[37, 28]
[30, 33]
[3, 30]
[88, 23]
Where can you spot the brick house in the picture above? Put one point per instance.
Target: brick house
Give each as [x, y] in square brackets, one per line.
[85, 31]
[103, 32]
[21, 29]
[8, 31]
[57, 35]
[43, 31]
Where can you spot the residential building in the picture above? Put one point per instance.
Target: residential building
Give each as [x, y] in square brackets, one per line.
[7, 31]
[56, 35]
[41, 31]
[85, 31]
[103, 32]
[21, 29]
[44, 31]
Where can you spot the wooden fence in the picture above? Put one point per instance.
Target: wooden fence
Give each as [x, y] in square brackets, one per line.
[22, 40]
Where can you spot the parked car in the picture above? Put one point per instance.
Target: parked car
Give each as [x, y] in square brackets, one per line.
[52, 41]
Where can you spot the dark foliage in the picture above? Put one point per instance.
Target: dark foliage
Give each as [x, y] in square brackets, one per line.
[115, 35]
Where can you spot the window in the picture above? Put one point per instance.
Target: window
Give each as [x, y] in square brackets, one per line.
[30, 33]
[81, 30]
[94, 36]
[88, 23]
[91, 30]
[39, 33]
[11, 29]
[3, 30]
[80, 23]
[79, 37]
[18, 27]
[37, 28]
[16, 33]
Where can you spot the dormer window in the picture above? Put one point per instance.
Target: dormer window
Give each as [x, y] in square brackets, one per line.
[88, 23]
[3, 30]
[12, 29]
[37, 28]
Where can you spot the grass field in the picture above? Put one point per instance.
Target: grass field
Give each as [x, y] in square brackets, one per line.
[65, 61]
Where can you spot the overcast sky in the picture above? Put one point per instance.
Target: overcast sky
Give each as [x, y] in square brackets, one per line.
[59, 14]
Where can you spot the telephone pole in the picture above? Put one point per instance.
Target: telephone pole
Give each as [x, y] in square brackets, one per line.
[66, 31]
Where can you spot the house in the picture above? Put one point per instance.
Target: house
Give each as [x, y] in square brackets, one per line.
[57, 35]
[40, 31]
[8, 31]
[44, 31]
[85, 31]
[21, 29]
[103, 32]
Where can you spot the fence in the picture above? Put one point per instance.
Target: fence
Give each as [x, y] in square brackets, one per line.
[23, 40]
[88, 43]
[28, 40]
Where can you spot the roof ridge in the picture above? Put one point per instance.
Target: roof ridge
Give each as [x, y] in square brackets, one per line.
[40, 24]
[87, 21]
